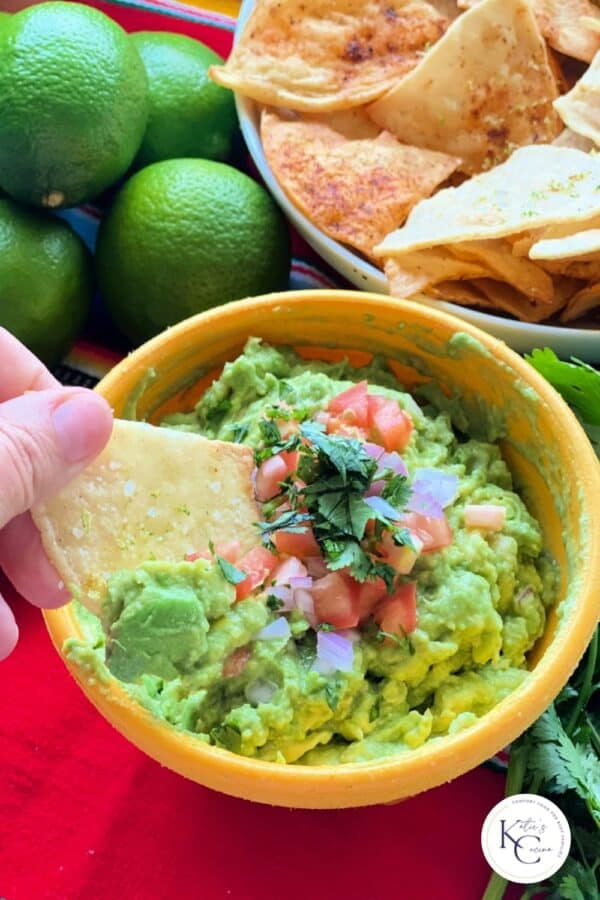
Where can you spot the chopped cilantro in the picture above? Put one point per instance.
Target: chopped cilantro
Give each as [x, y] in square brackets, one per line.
[397, 491]
[326, 626]
[228, 736]
[274, 603]
[333, 690]
[291, 521]
[239, 431]
[229, 572]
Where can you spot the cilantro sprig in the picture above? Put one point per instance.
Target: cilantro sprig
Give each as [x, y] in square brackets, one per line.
[336, 472]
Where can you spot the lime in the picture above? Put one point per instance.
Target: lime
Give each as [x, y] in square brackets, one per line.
[185, 235]
[45, 280]
[190, 115]
[73, 103]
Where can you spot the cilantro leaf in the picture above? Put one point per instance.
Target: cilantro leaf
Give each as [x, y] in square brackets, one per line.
[345, 455]
[229, 572]
[239, 431]
[269, 431]
[291, 521]
[274, 603]
[228, 736]
[397, 491]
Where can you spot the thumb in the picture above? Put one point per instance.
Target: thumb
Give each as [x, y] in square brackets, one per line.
[46, 438]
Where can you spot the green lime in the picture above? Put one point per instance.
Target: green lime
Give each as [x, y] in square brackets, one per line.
[185, 235]
[190, 115]
[73, 103]
[45, 280]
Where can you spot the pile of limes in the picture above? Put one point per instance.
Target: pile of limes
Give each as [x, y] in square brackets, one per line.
[84, 105]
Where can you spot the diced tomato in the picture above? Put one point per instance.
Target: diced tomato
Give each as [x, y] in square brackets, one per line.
[390, 425]
[369, 595]
[237, 661]
[229, 550]
[336, 600]
[354, 401]
[270, 473]
[289, 568]
[258, 563]
[434, 533]
[302, 544]
[398, 614]
[316, 565]
[400, 558]
[291, 459]
[201, 554]
[345, 429]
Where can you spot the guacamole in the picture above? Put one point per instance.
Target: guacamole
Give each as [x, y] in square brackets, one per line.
[398, 586]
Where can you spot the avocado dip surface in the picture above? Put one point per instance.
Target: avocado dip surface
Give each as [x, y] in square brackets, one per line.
[396, 586]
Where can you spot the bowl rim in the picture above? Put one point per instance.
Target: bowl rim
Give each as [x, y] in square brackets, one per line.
[437, 760]
[566, 339]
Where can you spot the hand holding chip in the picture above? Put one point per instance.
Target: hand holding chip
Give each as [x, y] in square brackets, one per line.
[47, 435]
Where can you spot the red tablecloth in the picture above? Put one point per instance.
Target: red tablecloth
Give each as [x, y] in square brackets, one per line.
[84, 815]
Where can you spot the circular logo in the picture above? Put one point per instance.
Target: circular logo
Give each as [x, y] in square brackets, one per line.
[525, 838]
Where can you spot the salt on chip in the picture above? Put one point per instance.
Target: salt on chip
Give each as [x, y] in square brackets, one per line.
[321, 55]
[584, 301]
[572, 246]
[153, 493]
[580, 108]
[485, 88]
[356, 191]
[537, 186]
[569, 26]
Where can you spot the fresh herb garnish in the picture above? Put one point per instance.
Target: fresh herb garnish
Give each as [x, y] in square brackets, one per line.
[335, 474]
[559, 756]
[274, 603]
[333, 690]
[239, 431]
[228, 736]
[229, 572]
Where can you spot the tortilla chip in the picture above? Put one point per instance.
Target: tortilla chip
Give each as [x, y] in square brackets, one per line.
[584, 301]
[537, 186]
[568, 138]
[356, 191]
[497, 257]
[353, 124]
[416, 273]
[567, 25]
[485, 88]
[508, 299]
[152, 493]
[462, 292]
[573, 246]
[580, 108]
[315, 55]
[586, 270]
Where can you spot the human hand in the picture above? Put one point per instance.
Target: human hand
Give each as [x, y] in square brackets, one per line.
[48, 433]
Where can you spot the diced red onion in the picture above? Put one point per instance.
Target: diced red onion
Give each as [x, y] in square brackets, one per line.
[375, 489]
[316, 565]
[301, 582]
[288, 569]
[374, 450]
[279, 628]
[260, 691]
[394, 462]
[383, 507]
[335, 653]
[485, 515]
[442, 486]
[424, 503]
[304, 602]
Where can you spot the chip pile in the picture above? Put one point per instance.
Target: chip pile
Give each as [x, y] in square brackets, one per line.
[445, 141]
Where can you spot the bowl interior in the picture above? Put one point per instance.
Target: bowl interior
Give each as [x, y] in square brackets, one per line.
[522, 336]
[492, 389]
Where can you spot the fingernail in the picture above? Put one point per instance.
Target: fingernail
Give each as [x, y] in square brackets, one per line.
[75, 423]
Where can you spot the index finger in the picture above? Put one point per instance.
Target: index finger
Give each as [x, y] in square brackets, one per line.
[20, 370]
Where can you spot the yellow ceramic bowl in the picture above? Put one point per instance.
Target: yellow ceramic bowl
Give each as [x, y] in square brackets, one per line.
[546, 449]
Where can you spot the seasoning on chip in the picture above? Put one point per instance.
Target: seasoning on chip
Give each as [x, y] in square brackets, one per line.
[356, 191]
[314, 55]
[484, 89]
